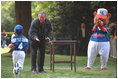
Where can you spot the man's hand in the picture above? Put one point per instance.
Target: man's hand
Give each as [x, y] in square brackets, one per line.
[47, 38]
[37, 39]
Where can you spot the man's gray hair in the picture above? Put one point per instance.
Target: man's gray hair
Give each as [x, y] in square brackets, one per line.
[42, 13]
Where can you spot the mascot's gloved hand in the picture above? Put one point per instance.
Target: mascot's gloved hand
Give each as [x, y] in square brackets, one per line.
[99, 23]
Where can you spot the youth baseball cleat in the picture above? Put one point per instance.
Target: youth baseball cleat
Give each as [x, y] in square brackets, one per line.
[16, 70]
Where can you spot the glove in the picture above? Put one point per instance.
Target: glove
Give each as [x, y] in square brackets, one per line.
[99, 23]
[11, 46]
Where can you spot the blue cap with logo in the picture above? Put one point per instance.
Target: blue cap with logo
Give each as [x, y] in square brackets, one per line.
[18, 29]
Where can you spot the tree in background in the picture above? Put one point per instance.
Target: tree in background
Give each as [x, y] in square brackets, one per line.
[70, 14]
[111, 6]
[66, 16]
[23, 14]
[67, 23]
[8, 15]
[49, 7]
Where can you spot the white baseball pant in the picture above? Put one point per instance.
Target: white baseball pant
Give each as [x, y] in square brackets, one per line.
[18, 57]
[95, 48]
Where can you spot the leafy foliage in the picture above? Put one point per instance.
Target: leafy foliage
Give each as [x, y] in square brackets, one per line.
[66, 16]
[46, 6]
[70, 14]
[8, 15]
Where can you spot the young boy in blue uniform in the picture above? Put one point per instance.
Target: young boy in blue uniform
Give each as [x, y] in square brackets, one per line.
[19, 44]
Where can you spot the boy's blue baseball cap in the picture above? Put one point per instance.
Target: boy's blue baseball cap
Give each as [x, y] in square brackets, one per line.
[18, 29]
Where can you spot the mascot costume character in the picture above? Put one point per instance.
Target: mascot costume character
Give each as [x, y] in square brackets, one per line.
[99, 40]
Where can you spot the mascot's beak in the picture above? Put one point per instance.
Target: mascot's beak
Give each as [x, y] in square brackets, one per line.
[101, 16]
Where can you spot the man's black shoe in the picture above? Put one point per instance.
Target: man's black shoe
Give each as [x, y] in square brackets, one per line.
[42, 71]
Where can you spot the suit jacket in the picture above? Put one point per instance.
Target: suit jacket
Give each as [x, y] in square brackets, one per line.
[40, 30]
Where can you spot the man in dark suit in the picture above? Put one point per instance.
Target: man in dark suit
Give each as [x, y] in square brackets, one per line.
[39, 32]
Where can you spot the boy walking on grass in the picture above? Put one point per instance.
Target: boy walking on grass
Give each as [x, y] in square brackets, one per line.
[19, 44]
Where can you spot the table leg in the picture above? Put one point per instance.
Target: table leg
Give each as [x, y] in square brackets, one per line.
[71, 56]
[50, 57]
[74, 57]
[53, 58]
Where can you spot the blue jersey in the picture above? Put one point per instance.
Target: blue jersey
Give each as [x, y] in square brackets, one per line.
[100, 36]
[20, 42]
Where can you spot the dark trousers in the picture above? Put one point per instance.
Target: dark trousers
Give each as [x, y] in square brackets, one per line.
[37, 50]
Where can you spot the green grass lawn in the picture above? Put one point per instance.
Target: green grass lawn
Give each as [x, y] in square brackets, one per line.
[61, 70]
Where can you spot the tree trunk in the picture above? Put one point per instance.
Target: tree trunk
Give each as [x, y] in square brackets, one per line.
[23, 14]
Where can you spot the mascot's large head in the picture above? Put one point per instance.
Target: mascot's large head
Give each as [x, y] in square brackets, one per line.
[101, 16]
